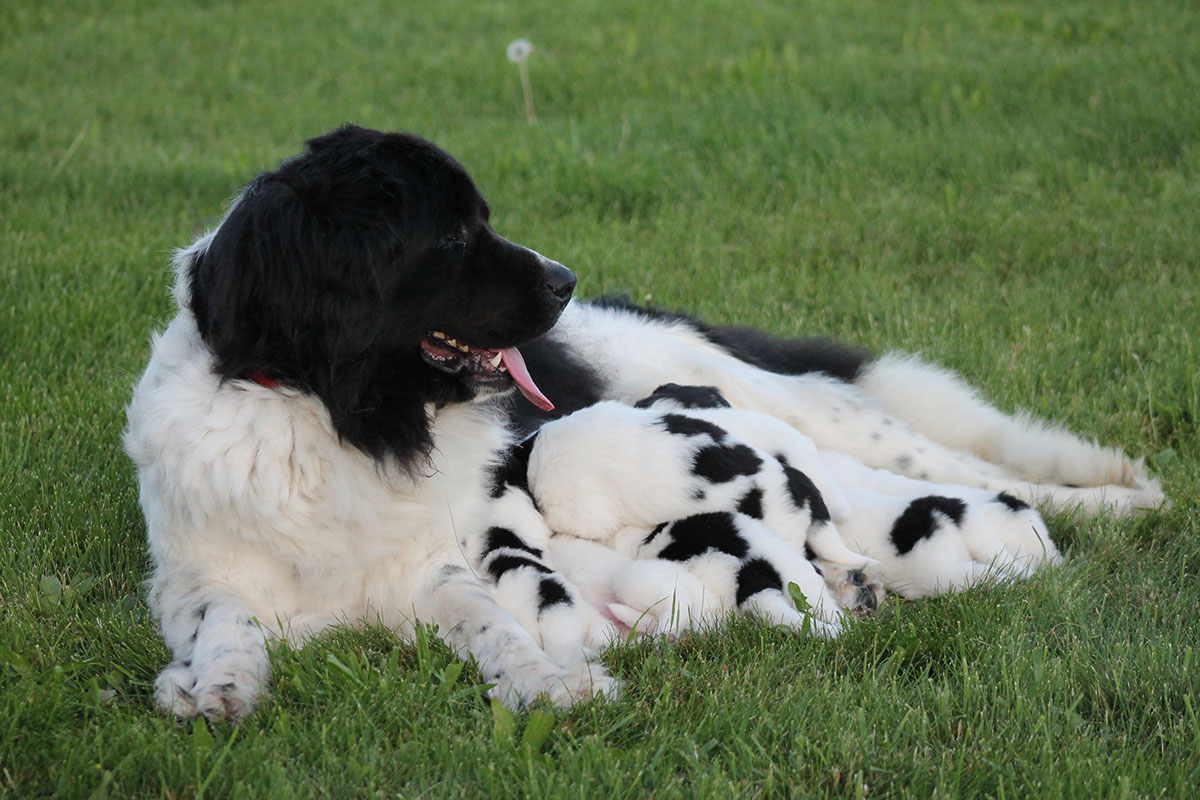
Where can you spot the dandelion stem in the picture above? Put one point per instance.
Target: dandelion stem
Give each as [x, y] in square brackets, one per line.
[528, 90]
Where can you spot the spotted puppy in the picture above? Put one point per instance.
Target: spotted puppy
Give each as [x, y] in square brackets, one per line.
[666, 521]
[929, 538]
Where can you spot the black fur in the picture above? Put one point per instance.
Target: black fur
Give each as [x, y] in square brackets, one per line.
[751, 503]
[696, 535]
[1014, 504]
[691, 426]
[722, 463]
[918, 521]
[551, 592]
[756, 575]
[503, 537]
[772, 353]
[805, 493]
[514, 469]
[502, 564]
[685, 396]
[330, 269]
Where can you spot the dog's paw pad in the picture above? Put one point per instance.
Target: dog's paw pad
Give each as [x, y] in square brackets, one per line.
[220, 702]
[173, 690]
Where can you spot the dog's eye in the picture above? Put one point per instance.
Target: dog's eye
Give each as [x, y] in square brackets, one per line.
[457, 236]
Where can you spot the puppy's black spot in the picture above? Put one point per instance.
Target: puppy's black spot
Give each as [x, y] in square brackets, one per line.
[682, 425]
[1014, 504]
[723, 463]
[503, 537]
[876, 436]
[195, 635]
[686, 396]
[751, 503]
[696, 535]
[755, 576]
[903, 462]
[551, 592]
[805, 493]
[918, 521]
[857, 577]
[699, 495]
[513, 470]
[809, 553]
[657, 530]
[187, 663]
[503, 563]
[201, 611]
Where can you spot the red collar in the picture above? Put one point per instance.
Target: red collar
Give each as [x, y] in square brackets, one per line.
[262, 379]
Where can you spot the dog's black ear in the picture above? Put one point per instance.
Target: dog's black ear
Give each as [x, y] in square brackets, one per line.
[293, 291]
[276, 292]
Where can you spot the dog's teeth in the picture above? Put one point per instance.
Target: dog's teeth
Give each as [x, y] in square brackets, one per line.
[496, 359]
[439, 335]
[451, 342]
[464, 348]
[502, 368]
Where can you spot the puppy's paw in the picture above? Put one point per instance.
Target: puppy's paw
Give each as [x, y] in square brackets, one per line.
[858, 590]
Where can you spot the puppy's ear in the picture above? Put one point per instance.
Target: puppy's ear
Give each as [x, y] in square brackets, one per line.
[275, 292]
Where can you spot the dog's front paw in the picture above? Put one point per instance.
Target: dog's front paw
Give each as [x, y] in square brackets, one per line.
[173, 690]
[219, 697]
[562, 687]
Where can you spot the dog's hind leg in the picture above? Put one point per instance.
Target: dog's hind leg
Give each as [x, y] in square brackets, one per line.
[939, 404]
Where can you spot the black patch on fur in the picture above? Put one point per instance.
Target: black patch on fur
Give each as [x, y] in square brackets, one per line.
[903, 462]
[551, 592]
[722, 463]
[514, 469]
[202, 611]
[805, 493]
[1014, 504]
[696, 535]
[503, 537]
[685, 396]
[809, 553]
[503, 563]
[751, 503]
[772, 353]
[755, 576]
[918, 521]
[657, 530]
[682, 425]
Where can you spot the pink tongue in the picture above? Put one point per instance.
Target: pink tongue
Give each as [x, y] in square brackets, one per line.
[515, 364]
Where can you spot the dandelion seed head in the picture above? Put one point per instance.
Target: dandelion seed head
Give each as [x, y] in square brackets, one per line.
[519, 50]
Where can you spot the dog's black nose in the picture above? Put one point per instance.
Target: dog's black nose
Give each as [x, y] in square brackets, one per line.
[560, 281]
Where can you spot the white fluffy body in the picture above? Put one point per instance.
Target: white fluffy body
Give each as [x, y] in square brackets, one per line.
[263, 524]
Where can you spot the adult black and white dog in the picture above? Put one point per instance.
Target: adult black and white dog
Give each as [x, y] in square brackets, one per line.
[328, 432]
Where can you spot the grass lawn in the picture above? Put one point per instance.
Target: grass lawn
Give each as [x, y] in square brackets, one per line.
[1010, 188]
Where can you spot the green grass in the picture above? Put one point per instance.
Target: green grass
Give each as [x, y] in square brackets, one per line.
[1011, 190]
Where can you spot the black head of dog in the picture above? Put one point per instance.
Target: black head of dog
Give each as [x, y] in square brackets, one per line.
[364, 271]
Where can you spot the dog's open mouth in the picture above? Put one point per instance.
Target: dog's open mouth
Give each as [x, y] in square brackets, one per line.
[482, 365]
